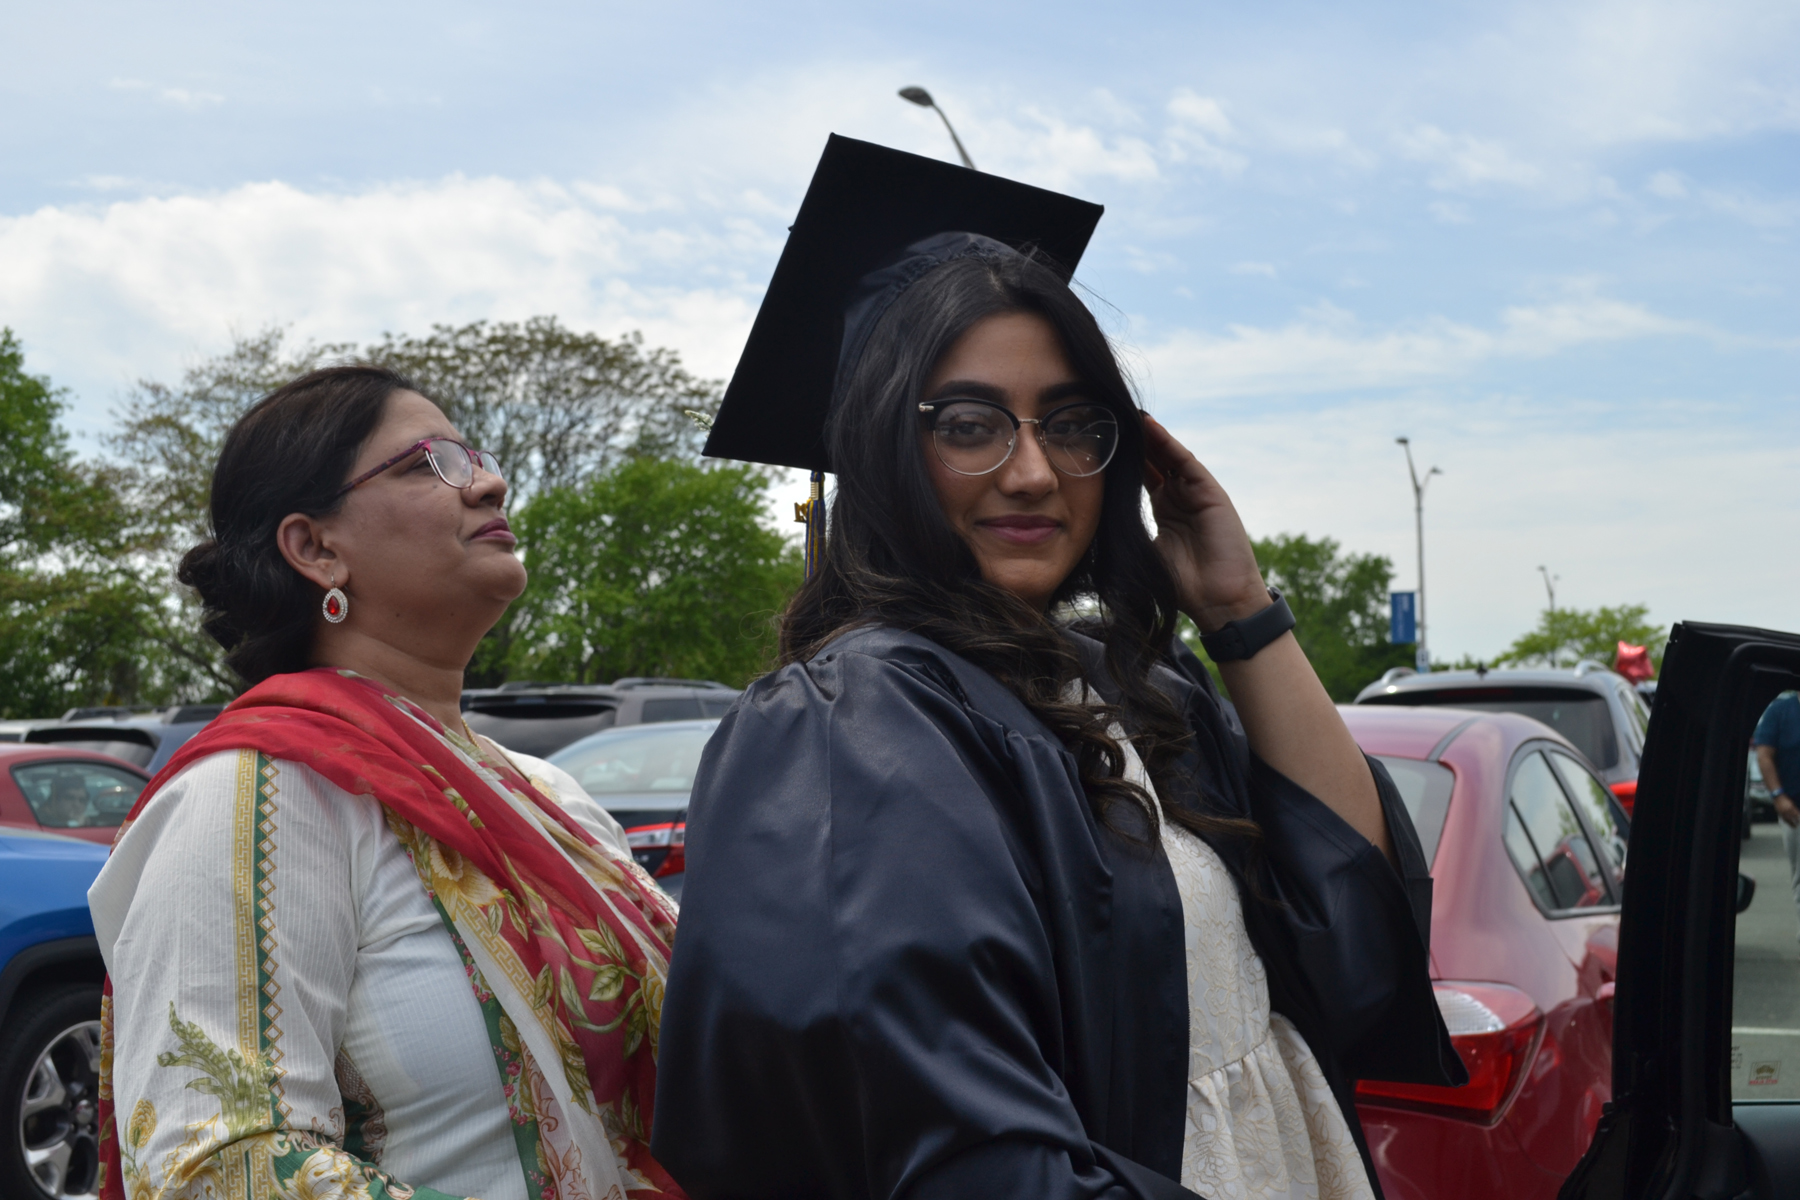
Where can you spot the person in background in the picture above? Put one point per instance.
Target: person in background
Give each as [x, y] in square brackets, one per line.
[1777, 742]
[68, 804]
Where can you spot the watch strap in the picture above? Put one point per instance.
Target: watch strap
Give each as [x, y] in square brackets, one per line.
[1237, 640]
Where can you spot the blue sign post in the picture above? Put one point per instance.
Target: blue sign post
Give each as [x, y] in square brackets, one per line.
[1403, 618]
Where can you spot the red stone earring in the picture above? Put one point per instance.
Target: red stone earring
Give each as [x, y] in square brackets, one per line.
[337, 605]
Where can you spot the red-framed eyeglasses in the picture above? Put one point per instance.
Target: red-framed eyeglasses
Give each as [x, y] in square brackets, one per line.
[453, 461]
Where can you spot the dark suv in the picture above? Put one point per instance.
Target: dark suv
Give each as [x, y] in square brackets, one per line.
[542, 718]
[143, 738]
[1588, 704]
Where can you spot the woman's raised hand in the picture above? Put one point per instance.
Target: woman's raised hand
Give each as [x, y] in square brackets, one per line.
[1199, 534]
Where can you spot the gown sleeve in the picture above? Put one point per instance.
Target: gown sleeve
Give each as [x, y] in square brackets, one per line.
[224, 1083]
[862, 1000]
[1352, 929]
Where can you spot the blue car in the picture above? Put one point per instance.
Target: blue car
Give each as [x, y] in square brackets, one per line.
[50, 976]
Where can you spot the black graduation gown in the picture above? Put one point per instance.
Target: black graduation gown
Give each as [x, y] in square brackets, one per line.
[910, 961]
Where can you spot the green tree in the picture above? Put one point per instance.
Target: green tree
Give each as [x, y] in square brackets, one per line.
[1565, 636]
[1340, 604]
[657, 567]
[78, 625]
[558, 407]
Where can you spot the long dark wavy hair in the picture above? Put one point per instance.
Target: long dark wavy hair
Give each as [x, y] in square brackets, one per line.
[893, 559]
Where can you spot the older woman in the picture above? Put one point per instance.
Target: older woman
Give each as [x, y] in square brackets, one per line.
[988, 894]
[355, 950]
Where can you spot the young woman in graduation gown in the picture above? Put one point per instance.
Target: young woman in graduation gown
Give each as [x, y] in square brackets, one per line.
[356, 952]
[989, 894]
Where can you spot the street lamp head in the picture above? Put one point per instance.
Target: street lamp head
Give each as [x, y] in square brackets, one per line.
[1402, 441]
[917, 95]
[1434, 471]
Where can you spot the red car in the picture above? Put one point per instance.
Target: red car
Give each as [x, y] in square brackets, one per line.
[80, 793]
[1527, 851]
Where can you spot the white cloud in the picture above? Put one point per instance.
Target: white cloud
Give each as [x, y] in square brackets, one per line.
[1059, 155]
[1198, 132]
[187, 98]
[1757, 211]
[1463, 161]
[1328, 350]
[1670, 185]
[105, 294]
[1267, 270]
[1445, 212]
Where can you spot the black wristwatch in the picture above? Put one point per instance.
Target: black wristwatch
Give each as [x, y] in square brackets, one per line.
[1235, 641]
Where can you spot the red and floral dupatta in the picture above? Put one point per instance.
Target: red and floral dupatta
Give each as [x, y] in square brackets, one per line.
[574, 944]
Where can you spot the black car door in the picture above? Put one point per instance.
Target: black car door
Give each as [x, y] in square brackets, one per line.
[1706, 1037]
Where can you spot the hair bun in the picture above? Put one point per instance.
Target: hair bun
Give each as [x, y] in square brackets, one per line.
[285, 455]
[199, 568]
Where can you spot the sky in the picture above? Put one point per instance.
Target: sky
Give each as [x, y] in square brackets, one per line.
[1552, 243]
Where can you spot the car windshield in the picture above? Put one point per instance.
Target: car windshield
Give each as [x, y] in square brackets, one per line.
[636, 760]
[1425, 790]
[77, 795]
[1582, 717]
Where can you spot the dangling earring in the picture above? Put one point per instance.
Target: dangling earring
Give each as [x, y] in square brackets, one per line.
[337, 605]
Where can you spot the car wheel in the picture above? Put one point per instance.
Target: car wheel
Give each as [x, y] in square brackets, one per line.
[50, 1095]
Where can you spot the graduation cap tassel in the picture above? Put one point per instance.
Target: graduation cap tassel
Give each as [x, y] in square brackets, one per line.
[811, 514]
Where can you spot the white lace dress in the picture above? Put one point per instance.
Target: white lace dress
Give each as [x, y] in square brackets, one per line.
[1262, 1123]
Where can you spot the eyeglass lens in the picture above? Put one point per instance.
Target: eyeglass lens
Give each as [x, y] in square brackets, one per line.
[455, 462]
[973, 438]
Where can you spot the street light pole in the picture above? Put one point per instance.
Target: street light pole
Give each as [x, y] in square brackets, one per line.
[1549, 584]
[922, 98]
[1418, 484]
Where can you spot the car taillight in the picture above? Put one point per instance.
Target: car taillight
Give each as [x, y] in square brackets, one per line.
[1626, 791]
[1496, 1029]
[646, 840]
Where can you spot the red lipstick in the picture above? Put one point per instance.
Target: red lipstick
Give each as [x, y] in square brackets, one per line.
[496, 530]
[1021, 529]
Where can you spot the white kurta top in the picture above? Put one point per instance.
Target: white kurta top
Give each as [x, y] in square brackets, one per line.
[365, 1000]
[1262, 1123]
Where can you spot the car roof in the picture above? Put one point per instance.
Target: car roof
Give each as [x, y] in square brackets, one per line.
[1589, 677]
[1425, 731]
[17, 752]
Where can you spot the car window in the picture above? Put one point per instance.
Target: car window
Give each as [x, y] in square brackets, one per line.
[1582, 717]
[1546, 842]
[716, 706]
[1425, 790]
[539, 730]
[684, 709]
[1637, 714]
[1765, 973]
[132, 750]
[638, 759]
[1598, 805]
[77, 795]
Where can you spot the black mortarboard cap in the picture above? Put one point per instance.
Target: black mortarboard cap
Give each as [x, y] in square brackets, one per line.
[867, 228]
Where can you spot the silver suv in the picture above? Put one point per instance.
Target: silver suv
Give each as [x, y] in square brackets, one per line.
[1594, 708]
[542, 718]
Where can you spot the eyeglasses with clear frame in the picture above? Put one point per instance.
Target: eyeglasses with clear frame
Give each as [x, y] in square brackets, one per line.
[975, 437]
[454, 462]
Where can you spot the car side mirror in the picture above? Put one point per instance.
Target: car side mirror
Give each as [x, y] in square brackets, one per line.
[1746, 891]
